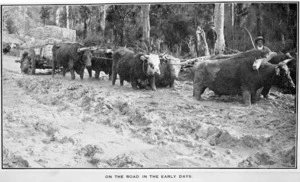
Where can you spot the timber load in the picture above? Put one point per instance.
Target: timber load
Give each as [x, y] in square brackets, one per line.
[54, 32]
[48, 35]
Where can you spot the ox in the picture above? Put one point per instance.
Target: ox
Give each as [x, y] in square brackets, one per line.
[102, 63]
[67, 56]
[236, 76]
[135, 67]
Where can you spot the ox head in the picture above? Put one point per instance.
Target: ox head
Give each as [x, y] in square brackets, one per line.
[173, 65]
[150, 64]
[258, 62]
[108, 53]
[283, 75]
[87, 58]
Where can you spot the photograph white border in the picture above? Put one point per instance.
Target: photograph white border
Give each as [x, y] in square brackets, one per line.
[199, 175]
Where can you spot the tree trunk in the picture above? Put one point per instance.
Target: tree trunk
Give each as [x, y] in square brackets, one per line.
[146, 23]
[259, 20]
[85, 29]
[201, 44]
[102, 17]
[122, 36]
[57, 17]
[68, 17]
[219, 24]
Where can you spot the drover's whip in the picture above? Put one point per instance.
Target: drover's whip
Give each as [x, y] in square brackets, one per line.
[250, 37]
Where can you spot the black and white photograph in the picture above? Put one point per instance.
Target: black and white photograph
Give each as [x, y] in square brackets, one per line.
[150, 85]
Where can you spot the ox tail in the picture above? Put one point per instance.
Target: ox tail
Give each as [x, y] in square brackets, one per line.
[250, 37]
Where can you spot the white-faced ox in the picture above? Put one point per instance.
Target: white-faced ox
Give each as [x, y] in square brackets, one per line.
[169, 70]
[135, 67]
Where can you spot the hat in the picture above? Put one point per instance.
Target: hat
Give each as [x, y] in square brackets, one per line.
[259, 38]
[211, 24]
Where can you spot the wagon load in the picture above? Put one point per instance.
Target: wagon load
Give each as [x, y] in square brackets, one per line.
[43, 33]
[48, 35]
[39, 48]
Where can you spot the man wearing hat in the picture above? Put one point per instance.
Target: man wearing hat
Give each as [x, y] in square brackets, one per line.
[260, 41]
[211, 37]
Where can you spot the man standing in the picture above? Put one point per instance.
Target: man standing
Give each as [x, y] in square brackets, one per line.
[211, 38]
[260, 41]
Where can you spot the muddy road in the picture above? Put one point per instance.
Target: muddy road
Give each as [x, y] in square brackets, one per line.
[63, 123]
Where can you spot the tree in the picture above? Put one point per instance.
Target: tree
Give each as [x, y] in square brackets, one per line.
[68, 17]
[201, 44]
[102, 18]
[84, 14]
[146, 22]
[10, 25]
[45, 13]
[219, 24]
[259, 19]
[121, 18]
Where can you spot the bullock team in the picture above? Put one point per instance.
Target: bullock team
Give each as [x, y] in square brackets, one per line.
[240, 74]
[141, 70]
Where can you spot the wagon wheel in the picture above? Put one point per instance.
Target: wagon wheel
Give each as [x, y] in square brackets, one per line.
[31, 69]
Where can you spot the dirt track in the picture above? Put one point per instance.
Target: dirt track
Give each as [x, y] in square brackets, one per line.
[63, 123]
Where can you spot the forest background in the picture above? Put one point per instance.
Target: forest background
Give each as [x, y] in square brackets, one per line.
[165, 27]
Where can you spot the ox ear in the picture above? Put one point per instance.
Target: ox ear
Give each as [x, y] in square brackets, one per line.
[144, 58]
[277, 71]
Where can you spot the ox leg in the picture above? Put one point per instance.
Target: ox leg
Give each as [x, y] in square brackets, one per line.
[265, 91]
[110, 76]
[172, 84]
[53, 68]
[71, 67]
[72, 73]
[198, 91]
[114, 77]
[134, 82]
[121, 81]
[90, 71]
[253, 97]
[81, 74]
[247, 97]
[97, 74]
[141, 85]
[64, 71]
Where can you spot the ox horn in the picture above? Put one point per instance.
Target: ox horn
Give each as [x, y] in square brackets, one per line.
[109, 51]
[163, 54]
[258, 62]
[287, 60]
[250, 37]
[289, 55]
[143, 57]
[81, 49]
[271, 55]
